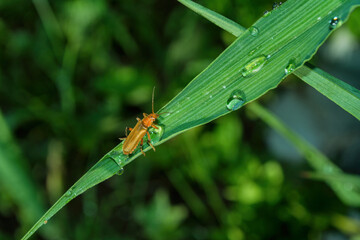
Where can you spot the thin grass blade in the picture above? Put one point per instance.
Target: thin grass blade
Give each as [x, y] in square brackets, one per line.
[219, 20]
[323, 166]
[15, 178]
[353, 181]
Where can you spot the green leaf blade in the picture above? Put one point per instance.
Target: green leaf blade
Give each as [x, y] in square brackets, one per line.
[341, 93]
[219, 20]
[336, 90]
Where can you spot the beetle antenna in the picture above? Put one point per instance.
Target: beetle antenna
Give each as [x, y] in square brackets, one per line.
[153, 99]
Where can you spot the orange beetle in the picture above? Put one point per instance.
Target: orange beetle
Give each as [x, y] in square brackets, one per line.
[138, 132]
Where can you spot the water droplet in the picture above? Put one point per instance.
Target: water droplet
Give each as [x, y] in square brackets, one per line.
[236, 100]
[319, 18]
[156, 134]
[254, 31]
[224, 87]
[290, 67]
[120, 172]
[253, 66]
[266, 13]
[334, 22]
[275, 5]
[187, 98]
[68, 193]
[210, 96]
[45, 222]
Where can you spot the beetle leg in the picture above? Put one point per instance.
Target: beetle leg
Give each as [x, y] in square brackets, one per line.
[149, 141]
[122, 138]
[145, 115]
[138, 119]
[141, 144]
[126, 129]
[154, 126]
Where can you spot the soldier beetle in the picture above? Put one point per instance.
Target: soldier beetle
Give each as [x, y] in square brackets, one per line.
[138, 132]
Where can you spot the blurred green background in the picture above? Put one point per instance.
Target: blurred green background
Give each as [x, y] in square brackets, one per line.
[74, 74]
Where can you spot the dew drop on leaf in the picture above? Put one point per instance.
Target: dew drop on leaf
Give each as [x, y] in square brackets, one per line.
[254, 31]
[236, 100]
[254, 66]
[275, 5]
[120, 172]
[68, 193]
[290, 67]
[334, 22]
[156, 134]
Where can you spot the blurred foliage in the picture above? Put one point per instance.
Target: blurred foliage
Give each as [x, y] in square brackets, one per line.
[74, 74]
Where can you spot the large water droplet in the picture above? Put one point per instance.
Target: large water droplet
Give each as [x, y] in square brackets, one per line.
[290, 67]
[156, 134]
[334, 22]
[254, 31]
[254, 66]
[236, 100]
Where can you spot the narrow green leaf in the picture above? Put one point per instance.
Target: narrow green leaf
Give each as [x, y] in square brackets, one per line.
[336, 90]
[316, 159]
[101, 171]
[219, 20]
[15, 178]
[254, 64]
[187, 193]
[352, 181]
